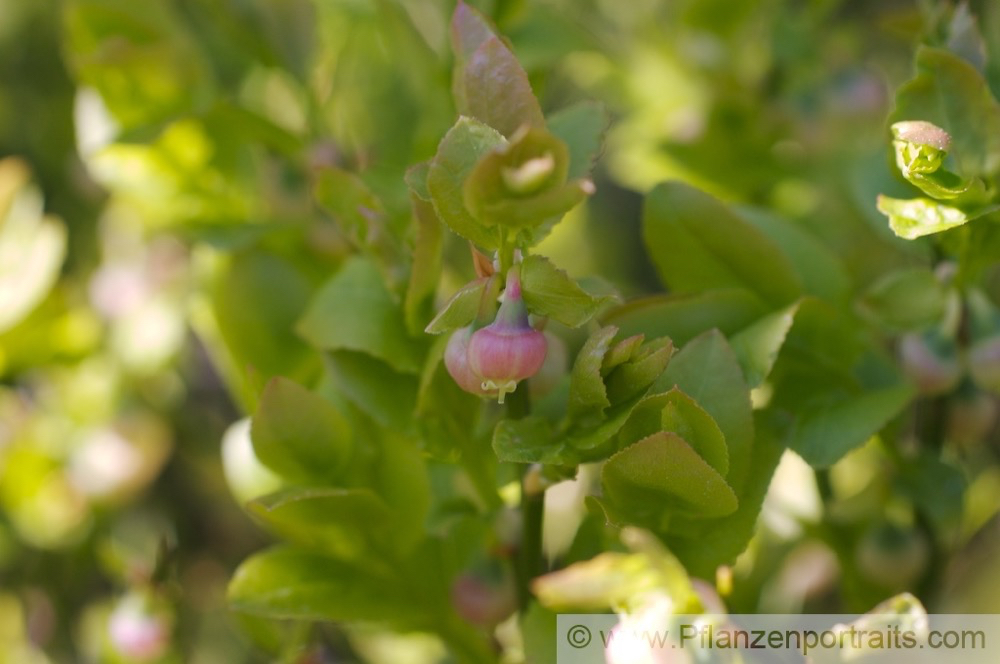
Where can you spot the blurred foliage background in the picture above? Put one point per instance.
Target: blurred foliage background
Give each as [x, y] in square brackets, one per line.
[158, 235]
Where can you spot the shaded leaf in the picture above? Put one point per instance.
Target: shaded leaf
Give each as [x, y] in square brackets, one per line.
[698, 244]
[355, 311]
[684, 317]
[548, 291]
[758, 345]
[288, 583]
[829, 431]
[582, 127]
[299, 434]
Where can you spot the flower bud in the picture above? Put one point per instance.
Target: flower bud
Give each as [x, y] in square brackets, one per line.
[931, 362]
[509, 349]
[456, 360]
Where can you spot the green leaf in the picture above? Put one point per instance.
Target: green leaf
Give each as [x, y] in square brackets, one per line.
[906, 299]
[622, 352]
[937, 488]
[699, 244]
[548, 291]
[387, 396]
[676, 412]
[402, 481]
[706, 545]
[707, 370]
[288, 583]
[461, 309]
[300, 434]
[497, 91]
[425, 270]
[528, 440]
[459, 152]
[684, 317]
[345, 197]
[416, 180]
[355, 311]
[913, 218]
[469, 30]
[587, 394]
[822, 272]
[661, 471]
[582, 127]
[257, 298]
[336, 521]
[758, 345]
[633, 377]
[950, 93]
[531, 212]
[830, 430]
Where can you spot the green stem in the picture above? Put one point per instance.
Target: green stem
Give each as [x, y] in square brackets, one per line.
[529, 562]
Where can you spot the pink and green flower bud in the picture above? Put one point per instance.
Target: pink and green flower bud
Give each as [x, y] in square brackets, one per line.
[456, 360]
[508, 350]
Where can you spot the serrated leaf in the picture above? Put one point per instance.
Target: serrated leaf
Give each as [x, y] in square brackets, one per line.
[459, 152]
[622, 352]
[587, 394]
[582, 127]
[676, 412]
[528, 440]
[661, 471]
[531, 212]
[299, 434]
[707, 370]
[461, 309]
[699, 244]
[355, 311]
[548, 291]
[497, 91]
[916, 217]
[469, 30]
[758, 345]
[635, 376]
[705, 545]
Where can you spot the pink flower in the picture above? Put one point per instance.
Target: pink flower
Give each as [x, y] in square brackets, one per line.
[508, 350]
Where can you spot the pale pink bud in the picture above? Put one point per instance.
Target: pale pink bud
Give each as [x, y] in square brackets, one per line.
[509, 349]
[456, 360]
